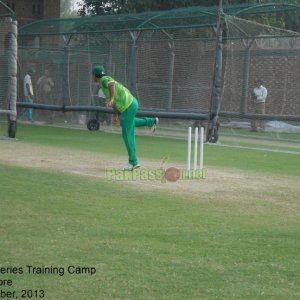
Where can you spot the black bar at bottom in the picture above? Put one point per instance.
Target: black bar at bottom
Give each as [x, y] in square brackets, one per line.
[163, 114]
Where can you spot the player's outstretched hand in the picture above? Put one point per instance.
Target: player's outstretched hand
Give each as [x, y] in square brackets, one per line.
[109, 103]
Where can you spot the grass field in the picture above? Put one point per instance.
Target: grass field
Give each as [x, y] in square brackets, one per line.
[239, 240]
[158, 148]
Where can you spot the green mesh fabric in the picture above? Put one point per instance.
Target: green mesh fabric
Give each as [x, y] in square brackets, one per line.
[167, 60]
[192, 17]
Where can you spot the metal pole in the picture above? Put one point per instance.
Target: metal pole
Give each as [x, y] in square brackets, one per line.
[133, 65]
[171, 76]
[12, 70]
[12, 77]
[243, 104]
[66, 79]
[212, 131]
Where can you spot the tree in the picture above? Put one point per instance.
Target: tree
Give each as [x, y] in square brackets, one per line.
[287, 20]
[101, 7]
[96, 7]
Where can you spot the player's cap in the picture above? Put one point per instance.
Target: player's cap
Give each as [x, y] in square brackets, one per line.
[98, 70]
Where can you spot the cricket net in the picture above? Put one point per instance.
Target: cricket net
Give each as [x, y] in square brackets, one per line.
[256, 52]
[167, 60]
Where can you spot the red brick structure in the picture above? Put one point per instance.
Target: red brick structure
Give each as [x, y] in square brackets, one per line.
[31, 10]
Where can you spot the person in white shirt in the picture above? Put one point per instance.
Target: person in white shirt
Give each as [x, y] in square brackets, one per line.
[259, 96]
[28, 94]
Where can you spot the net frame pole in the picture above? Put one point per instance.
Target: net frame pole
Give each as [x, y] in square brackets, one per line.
[212, 126]
[133, 62]
[246, 71]
[171, 75]
[66, 74]
[12, 67]
[12, 82]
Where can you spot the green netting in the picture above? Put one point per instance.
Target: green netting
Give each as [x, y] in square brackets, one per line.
[167, 60]
[193, 17]
[255, 51]
[277, 7]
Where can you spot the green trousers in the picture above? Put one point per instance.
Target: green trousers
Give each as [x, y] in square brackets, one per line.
[128, 123]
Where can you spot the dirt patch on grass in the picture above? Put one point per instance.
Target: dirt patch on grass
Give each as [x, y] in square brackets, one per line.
[221, 182]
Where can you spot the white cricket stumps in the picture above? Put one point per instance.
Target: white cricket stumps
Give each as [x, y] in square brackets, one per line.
[189, 151]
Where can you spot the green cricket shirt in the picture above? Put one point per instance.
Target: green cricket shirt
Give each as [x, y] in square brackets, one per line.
[123, 97]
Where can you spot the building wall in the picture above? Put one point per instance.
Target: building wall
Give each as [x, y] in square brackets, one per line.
[31, 10]
[51, 9]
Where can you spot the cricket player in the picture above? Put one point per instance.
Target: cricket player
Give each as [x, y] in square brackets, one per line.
[119, 97]
[28, 94]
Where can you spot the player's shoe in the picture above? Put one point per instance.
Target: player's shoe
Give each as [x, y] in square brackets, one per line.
[131, 167]
[136, 166]
[156, 121]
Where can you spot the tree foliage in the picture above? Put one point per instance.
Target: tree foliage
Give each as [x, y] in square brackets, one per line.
[102, 7]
